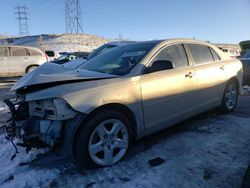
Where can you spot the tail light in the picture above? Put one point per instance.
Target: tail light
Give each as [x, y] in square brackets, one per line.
[47, 58]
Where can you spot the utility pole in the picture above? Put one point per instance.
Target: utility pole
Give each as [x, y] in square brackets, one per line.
[73, 16]
[22, 12]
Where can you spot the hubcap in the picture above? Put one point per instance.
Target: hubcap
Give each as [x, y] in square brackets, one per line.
[109, 142]
[231, 96]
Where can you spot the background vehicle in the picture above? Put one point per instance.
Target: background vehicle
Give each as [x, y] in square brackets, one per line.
[127, 93]
[52, 55]
[69, 56]
[245, 59]
[18, 60]
[230, 52]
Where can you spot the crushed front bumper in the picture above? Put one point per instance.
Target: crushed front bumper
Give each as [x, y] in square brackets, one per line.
[34, 131]
[38, 132]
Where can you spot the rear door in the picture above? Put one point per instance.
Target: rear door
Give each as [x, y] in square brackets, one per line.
[168, 95]
[210, 75]
[3, 61]
[18, 61]
[36, 57]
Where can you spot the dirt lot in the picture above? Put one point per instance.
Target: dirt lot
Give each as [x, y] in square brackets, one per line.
[209, 150]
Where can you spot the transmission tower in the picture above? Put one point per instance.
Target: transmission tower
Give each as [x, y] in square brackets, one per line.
[73, 16]
[22, 12]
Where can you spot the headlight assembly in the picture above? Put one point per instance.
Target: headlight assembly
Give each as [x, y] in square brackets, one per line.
[54, 109]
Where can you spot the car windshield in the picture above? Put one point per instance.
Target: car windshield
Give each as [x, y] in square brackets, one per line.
[119, 60]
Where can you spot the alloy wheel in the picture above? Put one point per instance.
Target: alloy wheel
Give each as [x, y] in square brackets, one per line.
[109, 142]
[231, 96]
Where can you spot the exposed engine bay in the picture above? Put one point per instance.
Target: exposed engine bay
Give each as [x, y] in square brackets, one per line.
[38, 124]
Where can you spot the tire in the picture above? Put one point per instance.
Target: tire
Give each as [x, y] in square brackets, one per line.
[106, 133]
[31, 68]
[230, 97]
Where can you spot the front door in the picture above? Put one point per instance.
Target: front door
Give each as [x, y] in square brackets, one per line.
[168, 96]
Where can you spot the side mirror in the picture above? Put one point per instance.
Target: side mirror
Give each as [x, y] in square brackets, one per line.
[159, 65]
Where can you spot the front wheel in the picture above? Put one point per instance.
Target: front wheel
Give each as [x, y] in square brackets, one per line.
[104, 140]
[230, 97]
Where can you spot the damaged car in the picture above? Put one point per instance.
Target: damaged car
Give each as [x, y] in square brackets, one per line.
[95, 112]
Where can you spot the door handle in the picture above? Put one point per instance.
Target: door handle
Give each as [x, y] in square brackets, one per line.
[222, 67]
[190, 75]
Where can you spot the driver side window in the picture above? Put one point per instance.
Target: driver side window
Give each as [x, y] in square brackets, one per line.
[173, 56]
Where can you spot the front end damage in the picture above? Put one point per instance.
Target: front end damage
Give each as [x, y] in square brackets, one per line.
[40, 123]
[41, 117]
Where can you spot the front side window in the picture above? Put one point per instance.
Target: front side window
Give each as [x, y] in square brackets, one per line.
[15, 51]
[119, 60]
[169, 58]
[201, 54]
[175, 54]
[3, 52]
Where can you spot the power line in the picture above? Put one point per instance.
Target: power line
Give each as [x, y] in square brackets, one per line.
[22, 16]
[73, 16]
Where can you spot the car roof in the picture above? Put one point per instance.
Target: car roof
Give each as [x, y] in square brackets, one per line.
[167, 41]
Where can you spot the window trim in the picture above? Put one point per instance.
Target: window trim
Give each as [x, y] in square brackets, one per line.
[211, 51]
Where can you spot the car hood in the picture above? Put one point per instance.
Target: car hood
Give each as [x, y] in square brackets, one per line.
[50, 74]
[74, 63]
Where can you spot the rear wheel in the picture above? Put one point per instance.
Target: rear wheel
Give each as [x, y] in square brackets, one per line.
[104, 140]
[230, 97]
[31, 69]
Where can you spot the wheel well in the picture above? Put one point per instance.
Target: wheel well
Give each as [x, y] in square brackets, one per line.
[235, 79]
[120, 108]
[27, 68]
[123, 109]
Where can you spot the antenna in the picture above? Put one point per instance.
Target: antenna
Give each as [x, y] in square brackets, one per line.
[22, 12]
[73, 16]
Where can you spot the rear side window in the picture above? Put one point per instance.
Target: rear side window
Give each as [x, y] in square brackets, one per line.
[215, 55]
[34, 53]
[176, 54]
[3, 52]
[15, 51]
[201, 54]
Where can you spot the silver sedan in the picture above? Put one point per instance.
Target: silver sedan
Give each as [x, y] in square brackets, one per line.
[98, 110]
